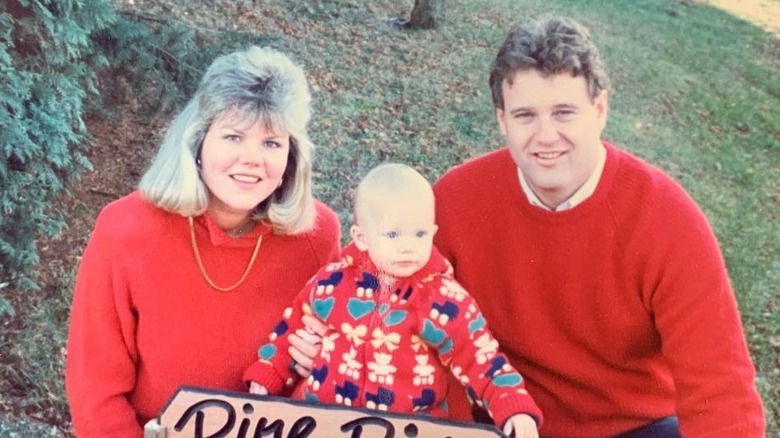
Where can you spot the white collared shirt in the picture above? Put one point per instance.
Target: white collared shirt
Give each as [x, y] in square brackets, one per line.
[583, 193]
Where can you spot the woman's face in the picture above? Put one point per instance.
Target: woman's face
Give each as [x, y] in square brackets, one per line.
[241, 162]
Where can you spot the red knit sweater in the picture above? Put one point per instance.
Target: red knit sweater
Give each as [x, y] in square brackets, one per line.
[617, 312]
[144, 321]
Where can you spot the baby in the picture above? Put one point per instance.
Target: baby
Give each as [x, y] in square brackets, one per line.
[397, 320]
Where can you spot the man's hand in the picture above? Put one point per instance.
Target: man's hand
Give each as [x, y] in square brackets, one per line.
[305, 344]
[521, 426]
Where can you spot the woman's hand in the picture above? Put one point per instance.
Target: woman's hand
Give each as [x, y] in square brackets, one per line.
[522, 425]
[305, 344]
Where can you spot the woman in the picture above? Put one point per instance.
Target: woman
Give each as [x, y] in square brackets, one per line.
[179, 279]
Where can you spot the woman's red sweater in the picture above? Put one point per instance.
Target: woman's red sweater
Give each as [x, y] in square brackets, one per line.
[144, 321]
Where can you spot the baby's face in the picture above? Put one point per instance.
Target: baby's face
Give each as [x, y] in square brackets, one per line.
[399, 235]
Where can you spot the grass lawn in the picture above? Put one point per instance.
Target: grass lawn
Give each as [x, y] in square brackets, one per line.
[694, 91]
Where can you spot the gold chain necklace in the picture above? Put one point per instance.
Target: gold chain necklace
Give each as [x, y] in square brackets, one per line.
[203, 270]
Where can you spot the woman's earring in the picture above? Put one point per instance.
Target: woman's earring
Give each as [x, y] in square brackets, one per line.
[280, 183]
[197, 162]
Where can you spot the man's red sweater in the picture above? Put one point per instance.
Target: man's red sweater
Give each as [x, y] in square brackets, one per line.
[144, 321]
[617, 312]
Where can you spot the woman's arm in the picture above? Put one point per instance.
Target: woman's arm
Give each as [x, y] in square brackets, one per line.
[101, 360]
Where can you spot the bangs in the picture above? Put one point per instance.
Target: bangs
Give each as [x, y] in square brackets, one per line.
[247, 115]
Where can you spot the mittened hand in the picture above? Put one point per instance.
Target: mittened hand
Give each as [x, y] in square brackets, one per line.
[521, 426]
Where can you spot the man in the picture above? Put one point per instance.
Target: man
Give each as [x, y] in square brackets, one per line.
[599, 274]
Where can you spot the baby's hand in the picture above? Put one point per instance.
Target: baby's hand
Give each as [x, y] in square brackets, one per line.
[522, 425]
[256, 388]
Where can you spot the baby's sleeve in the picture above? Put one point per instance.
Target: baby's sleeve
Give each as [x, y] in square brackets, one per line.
[274, 367]
[455, 326]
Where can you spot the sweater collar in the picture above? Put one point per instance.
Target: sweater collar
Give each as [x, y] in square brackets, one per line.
[204, 224]
[581, 194]
[508, 174]
[437, 264]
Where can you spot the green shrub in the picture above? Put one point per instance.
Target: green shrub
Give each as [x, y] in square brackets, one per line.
[160, 62]
[47, 69]
[50, 54]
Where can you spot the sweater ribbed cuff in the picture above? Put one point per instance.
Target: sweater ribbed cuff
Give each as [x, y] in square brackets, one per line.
[264, 374]
[512, 404]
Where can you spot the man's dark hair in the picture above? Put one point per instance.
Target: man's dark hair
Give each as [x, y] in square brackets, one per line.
[551, 46]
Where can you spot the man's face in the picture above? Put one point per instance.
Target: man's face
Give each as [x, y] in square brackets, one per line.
[553, 128]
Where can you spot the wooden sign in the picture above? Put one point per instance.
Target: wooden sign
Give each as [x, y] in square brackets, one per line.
[203, 413]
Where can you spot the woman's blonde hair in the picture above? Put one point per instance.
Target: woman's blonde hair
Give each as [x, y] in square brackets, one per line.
[258, 83]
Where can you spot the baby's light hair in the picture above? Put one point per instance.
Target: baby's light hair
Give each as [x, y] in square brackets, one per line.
[390, 180]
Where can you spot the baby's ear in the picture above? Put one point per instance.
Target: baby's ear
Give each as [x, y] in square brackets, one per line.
[358, 237]
[435, 229]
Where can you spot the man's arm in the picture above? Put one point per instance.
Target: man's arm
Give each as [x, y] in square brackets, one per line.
[701, 333]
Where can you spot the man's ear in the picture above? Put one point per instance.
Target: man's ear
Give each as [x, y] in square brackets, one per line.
[602, 107]
[501, 124]
[358, 237]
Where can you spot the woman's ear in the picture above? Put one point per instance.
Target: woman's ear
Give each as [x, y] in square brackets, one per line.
[199, 152]
[358, 237]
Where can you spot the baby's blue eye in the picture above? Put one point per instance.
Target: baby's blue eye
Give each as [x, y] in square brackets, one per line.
[421, 233]
[391, 234]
